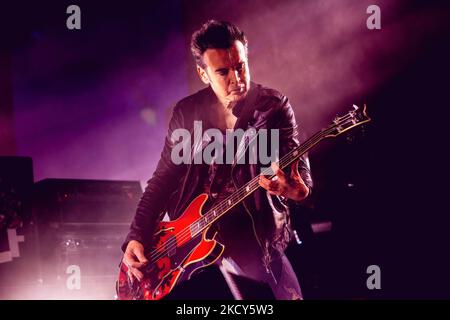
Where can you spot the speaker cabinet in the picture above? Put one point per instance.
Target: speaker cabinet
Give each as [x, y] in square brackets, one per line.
[81, 227]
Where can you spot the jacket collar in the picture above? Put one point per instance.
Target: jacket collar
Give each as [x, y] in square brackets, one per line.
[247, 102]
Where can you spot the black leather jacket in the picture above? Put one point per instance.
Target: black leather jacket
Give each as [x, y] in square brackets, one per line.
[173, 186]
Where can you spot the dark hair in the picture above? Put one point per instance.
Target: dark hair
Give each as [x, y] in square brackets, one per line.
[215, 34]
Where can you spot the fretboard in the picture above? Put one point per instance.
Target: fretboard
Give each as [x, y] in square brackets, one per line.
[247, 189]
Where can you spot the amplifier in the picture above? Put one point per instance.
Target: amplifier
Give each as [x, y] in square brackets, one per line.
[90, 201]
[81, 227]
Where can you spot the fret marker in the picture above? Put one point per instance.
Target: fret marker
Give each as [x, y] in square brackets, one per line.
[247, 188]
[229, 202]
[214, 213]
[295, 152]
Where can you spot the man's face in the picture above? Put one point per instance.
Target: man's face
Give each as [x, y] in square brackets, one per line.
[227, 72]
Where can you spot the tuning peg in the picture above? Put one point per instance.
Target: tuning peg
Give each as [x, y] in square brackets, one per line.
[355, 106]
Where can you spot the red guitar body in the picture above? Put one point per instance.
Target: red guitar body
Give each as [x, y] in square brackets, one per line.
[176, 254]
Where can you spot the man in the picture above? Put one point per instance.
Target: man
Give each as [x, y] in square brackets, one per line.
[257, 231]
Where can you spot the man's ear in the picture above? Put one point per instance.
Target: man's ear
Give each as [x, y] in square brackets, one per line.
[202, 74]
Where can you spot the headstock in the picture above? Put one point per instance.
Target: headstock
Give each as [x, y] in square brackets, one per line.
[353, 118]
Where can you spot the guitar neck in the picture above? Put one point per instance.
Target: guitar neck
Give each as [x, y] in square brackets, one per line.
[352, 119]
[247, 189]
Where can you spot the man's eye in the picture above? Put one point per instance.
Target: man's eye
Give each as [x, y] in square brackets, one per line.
[223, 73]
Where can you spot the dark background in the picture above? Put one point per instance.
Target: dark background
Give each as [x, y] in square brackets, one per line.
[94, 104]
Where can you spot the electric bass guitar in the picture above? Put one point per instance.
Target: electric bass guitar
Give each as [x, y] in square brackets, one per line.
[179, 245]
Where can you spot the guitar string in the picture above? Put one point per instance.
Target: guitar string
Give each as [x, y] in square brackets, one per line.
[253, 184]
[156, 254]
[185, 234]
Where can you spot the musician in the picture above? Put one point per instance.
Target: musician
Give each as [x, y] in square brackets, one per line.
[256, 232]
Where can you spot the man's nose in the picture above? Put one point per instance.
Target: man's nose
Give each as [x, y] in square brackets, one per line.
[235, 77]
